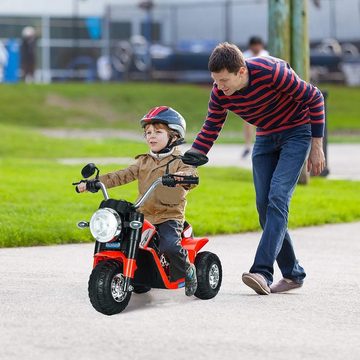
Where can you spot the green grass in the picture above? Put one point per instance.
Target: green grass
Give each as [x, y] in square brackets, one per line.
[343, 108]
[344, 139]
[40, 207]
[27, 143]
[122, 105]
[98, 105]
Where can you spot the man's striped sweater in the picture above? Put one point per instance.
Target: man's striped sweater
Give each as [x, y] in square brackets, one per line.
[275, 99]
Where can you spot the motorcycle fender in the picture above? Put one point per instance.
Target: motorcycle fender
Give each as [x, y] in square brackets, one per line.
[193, 246]
[129, 265]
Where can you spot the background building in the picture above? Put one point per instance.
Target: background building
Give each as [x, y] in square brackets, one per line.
[73, 34]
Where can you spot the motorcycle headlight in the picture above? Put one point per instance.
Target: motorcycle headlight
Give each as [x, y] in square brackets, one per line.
[105, 224]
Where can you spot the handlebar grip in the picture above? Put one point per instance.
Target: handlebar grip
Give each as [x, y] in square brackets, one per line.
[189, 181]
[169, 180]
[93, 185]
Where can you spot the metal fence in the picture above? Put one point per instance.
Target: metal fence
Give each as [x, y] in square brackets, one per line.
[66, 47]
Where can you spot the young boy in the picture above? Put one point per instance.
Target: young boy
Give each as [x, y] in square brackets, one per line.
[164, 129]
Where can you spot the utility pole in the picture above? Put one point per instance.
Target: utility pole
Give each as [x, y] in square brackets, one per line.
[279, 29]
[300, 54]
[289, 40]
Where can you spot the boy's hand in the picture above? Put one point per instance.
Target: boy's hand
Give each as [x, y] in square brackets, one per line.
[81, 187]
[182, 173]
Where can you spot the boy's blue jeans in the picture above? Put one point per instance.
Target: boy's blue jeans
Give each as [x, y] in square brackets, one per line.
[277, 161]
[170, 244]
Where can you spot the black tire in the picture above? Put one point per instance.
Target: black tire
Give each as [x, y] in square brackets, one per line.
[100, 288]
[209, 275]
[141, 289]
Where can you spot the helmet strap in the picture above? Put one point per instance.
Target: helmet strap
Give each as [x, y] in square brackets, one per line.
[158, 156]
[170, 145]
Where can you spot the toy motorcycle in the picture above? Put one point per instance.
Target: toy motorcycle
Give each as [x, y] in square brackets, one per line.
[127, 257]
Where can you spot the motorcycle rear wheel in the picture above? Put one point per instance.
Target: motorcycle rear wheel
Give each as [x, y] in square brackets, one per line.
[104, 288]
[209, 275]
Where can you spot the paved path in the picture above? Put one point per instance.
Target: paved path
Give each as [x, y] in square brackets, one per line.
[343, 159]
[45, 312]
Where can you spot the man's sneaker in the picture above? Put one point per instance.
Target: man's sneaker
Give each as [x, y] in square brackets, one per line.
[257, 282]
[190, 280]
[285, 285]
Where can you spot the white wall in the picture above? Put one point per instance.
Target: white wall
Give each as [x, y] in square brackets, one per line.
[65, 7]
[55, 7]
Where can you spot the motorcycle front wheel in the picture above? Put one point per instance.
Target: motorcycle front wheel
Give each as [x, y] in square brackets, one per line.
[105, 288]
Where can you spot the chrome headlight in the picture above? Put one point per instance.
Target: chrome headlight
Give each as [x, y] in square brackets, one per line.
[105, 224]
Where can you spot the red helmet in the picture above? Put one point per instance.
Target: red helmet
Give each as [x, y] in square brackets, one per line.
[165, 115]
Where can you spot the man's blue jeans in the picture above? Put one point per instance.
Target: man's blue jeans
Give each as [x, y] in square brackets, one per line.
[277, 161]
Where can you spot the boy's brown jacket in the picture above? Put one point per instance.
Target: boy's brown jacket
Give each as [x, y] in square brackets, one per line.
[164, 203]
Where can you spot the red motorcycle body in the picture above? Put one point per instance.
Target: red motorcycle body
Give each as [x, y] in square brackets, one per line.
[151, 268]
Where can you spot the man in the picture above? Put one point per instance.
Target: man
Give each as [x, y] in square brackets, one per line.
[256, 48]
[28, 53]
[4, 57]
[289, 116]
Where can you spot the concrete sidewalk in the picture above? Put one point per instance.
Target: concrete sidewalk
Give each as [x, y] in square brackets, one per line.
[343, 159]
[45, 311]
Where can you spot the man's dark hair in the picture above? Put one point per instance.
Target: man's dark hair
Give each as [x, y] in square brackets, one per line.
[226, 56]
[256, 40]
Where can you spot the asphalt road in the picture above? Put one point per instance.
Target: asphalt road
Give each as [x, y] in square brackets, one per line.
[45, 312]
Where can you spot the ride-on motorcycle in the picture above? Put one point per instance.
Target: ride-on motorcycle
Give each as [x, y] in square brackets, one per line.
[127, 257]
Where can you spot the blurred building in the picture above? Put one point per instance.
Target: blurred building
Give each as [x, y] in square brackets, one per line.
[73, 34]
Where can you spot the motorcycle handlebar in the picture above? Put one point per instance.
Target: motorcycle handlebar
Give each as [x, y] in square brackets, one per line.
[167, 180]
[91, 185]
[171, 181]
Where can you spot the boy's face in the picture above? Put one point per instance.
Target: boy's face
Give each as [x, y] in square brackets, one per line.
[228, 82]
[156, 137]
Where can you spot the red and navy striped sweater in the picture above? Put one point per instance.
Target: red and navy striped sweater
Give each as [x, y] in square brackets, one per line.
[275, 99]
